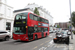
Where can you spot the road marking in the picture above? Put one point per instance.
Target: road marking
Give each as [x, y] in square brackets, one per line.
[45, 45]
[47, 41]
[66, 48]
[50, 36]
[71, 47]
[43, 48]
[42, 43]
[48, 46]
[54, 45]
[51, 45]
[35, 47]
[51, 42]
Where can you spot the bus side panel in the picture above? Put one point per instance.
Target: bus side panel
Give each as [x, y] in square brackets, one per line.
[38, 35]
[31, 22]
[44, 34]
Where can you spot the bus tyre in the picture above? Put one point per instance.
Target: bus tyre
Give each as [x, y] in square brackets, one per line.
[46, 34]
[6, 38]
[35, 37]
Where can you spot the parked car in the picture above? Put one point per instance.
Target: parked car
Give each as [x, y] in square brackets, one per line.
[69, 33]
[4, 35]
[62, 37]
[54, 31]
[50, 31]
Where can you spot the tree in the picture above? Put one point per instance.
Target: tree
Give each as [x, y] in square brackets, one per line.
[73, 18]
[58, 26]
[36, 11]
[68, 26]
[54, 25]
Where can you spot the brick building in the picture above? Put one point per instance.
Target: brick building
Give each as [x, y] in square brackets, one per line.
[63, 25]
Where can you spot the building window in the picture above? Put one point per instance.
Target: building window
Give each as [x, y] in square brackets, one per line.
[41, 14]
[9, 12]
[8, 26]
[0, 8]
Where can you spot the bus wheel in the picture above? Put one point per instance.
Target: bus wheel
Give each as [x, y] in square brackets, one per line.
[46, 34]
[35, 37]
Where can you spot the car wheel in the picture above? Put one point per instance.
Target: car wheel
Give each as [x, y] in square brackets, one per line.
[67, 41]
[6, 38]
[55, 41]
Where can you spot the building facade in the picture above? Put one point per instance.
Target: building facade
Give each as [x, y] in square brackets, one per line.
[42, 11]
[64, 25]
[6, 16]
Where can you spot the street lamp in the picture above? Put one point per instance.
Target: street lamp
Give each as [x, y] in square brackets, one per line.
[71, 19]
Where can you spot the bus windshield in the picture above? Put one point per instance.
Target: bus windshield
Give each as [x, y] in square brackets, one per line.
[19, 30]
[21, 16]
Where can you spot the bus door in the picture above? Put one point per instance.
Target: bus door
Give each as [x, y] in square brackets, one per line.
[42, 31]
[30, 32]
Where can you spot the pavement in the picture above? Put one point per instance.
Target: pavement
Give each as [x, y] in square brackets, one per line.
[72, 43]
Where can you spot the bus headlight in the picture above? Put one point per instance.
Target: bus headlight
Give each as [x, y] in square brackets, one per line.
[26, 37]
[26, 26]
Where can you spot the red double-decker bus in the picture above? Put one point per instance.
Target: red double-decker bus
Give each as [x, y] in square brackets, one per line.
[29, 26]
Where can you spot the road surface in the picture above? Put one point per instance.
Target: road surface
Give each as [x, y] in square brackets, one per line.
[40, 44]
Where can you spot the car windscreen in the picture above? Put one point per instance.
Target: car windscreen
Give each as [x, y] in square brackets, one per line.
[64, 32]
[58, 33]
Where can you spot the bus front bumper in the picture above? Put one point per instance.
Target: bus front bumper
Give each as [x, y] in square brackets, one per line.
[22, 39]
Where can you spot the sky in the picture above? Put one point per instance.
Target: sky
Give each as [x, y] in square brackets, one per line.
[59, 9]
